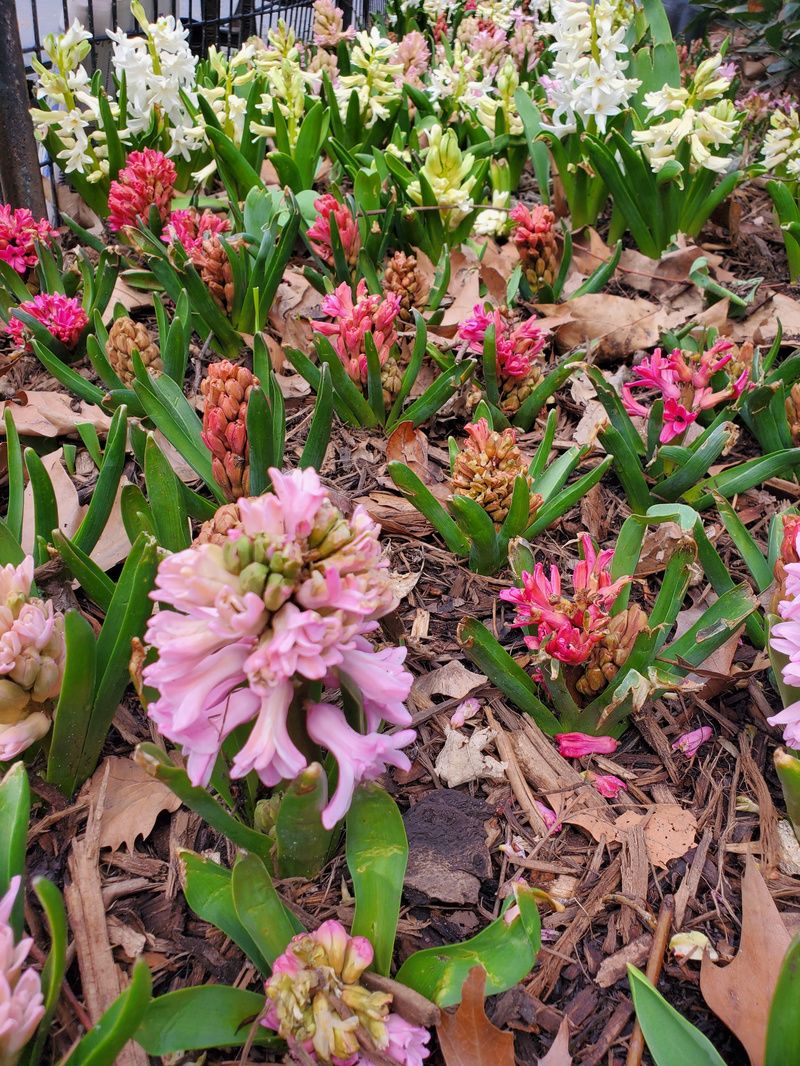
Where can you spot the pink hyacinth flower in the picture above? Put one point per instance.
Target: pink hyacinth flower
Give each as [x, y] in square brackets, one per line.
[371, 313]
[515, 349]
[576, 745]
[359, 758]
[607, 784]
[19, 232]
[63, 316]
[548, 816]
[21, 999]
[147, 180]
[190, 228]
[408, 1044]
[468, 708]
[689, 742]
[319, 232]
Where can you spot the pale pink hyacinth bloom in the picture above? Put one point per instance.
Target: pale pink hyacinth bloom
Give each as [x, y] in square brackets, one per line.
[576, 745]
[408, 1044]
[62, 316]
[683, 381]
[414, 54]
[19, 232]
[370, 313]
[548, 816]
[785, 639]
[468, 708]
[329, 25]
[245, 635]
[607, 785]
[21, 999]
[191, 227]
[516, 347]
[567, 630]
[688, 743]
[319, 232]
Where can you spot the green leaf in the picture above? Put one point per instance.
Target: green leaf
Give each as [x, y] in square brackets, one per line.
[103, 1043]
[16, 477]
[45, 508]
[319, 433]
[208, 888]
[15, 810]
[105, 490]
[54, 967]
[427, 504]
[74, 709]
[260, 909]
[670, 1038]
[438, 393]
[506, 950]
[377, 854]
[783, 1028]
[301, 841]
[206, 1016]
[493, 660]
[169, 514]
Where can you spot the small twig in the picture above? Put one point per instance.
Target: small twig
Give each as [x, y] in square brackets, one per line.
[655, 962]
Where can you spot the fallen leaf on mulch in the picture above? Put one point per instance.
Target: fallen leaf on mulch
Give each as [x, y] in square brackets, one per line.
[741, 992]
[464, 291]
[453, 680]
[70, 511]
[296, 300]
[619, 326]
[394, 514]
[130, 298]
[657, 277]
[762, 326]
[410, 446]
[467, 1037]
[402, 584]
[497, 265]
[559, 1055]
[462, 759]
[133, 802]
[51, 414]
[669, 830]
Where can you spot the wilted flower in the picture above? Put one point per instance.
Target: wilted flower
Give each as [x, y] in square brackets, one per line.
[548, 816]
[606, 784]
[486, 469]
[191, 228]
[31, 660]
[147, 180]
[319, 232]
[317, 1004]
[576, 745]
[567, 629]
[691, 947]
[63, 316]
[371, 313]
[683, 380]
[21, 999]
[690, 742]
[19, 231]
[468, 708]
[284, 602]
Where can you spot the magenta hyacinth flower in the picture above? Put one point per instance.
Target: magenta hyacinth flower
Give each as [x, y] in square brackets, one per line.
[688, 743]
[19, 232]
[61, 315]
[21, 999]
[319, 232]
[147, 180]
[285, 603]
[576, 745]
[607, 785]
[516, 348]
[352, 321]
[191, 227]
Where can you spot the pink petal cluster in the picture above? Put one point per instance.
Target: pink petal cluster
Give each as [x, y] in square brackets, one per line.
[374, 314]
[32, 655]
[530, 224]
[19, 231]
[147, 180]
[414, 54]
[319, 232]
[567, 629]
[690, 742]
[607, 785]
[287, 601]
[317, 1004]
[61, 315]
[329, 25]
[21, 999]
[785, 639]
[516, 347]
[191, 227]
[576, 745]
[683, 380]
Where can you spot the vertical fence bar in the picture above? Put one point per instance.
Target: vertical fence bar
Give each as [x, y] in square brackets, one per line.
[20, 177]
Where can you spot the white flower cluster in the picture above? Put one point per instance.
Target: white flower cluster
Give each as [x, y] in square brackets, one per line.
[588, 78]
[700, 117]
[286, 83]
[503, 101]
[781, 150]
[376, 76]
[457, 82]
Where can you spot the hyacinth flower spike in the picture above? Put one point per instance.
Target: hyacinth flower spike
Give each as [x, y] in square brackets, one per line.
[598, 656]
[496, 494]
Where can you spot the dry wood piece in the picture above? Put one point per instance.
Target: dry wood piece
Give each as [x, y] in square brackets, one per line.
[614, 967]
[100, 978]
[691, 881]
[767, 814]
[635, 869]
[519, 786]
[653, 972]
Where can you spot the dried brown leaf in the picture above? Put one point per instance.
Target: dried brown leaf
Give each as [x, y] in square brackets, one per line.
[464, 291]
[52, 414]
[394, 514]
[618, 326]
[467, 1037]
[669, 830]
[741, 992]
[132, 804]
[410, 446]
[761, 327]
[130, 298]
[559, 1055]
[453, 680]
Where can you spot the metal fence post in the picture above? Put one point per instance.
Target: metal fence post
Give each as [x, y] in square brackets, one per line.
[20, 174]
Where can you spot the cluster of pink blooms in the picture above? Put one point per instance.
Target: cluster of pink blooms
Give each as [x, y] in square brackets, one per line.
[317, 1005]
[567, 629]
[517, 347]
[191, 227]
[414, 54]
[352, 321]
[319, 232]
[62, 316]
[286, 601]
[19, 231]
[32, 654]
[21, 999]
[329, 25]
[147, 180]
[683, 380]
[759, 104]
[785, 636]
